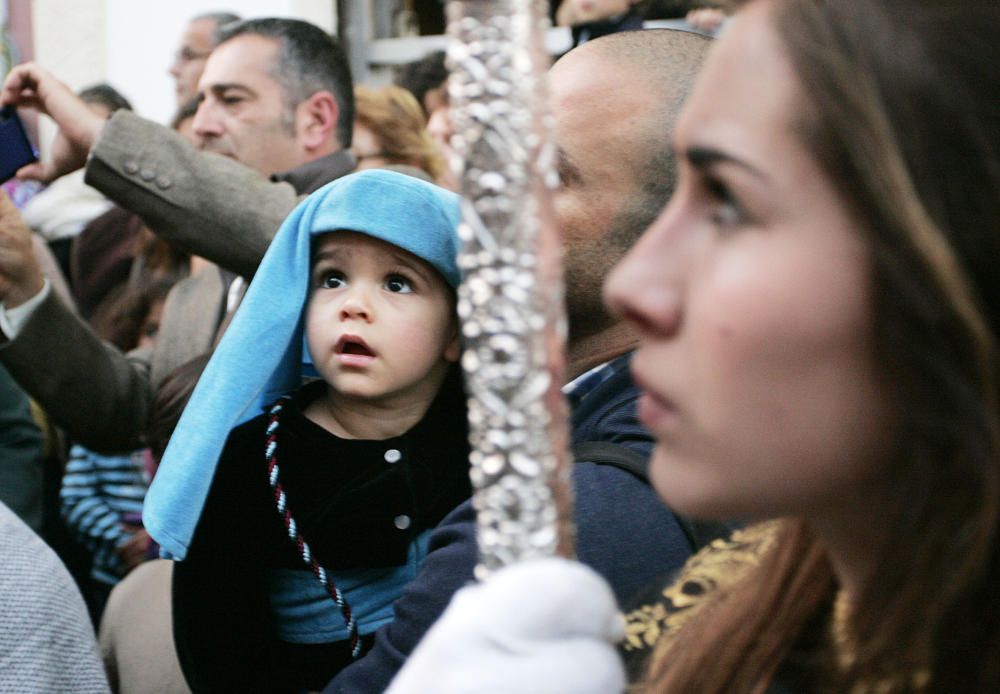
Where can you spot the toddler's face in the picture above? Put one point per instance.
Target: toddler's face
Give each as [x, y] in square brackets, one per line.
[380, 323]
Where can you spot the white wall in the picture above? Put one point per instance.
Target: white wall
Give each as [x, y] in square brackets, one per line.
[131, 43]
[142, 38]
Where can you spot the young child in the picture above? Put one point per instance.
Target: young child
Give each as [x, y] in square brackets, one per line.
[300, 526]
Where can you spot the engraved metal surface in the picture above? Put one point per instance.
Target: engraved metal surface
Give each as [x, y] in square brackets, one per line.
[510, 300]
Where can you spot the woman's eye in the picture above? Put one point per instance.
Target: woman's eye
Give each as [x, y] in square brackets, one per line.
[331, 280]
[726, 209]
[398, 284]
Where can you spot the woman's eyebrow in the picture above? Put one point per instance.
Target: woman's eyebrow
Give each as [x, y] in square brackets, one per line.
[705, 157]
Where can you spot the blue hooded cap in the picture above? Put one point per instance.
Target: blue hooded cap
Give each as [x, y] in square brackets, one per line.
[262, 355]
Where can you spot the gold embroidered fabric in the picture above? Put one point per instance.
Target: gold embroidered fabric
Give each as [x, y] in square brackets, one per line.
[650, 628]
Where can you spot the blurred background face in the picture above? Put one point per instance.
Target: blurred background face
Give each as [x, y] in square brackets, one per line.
[189, 61]
[752, 294]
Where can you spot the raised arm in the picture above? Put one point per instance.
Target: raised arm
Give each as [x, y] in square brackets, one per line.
[200, 202]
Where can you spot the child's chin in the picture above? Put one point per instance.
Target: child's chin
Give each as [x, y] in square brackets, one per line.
[357, 393]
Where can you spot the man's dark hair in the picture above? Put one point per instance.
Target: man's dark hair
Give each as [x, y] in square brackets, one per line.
[105, 95]
[421, 76]
[309, 61]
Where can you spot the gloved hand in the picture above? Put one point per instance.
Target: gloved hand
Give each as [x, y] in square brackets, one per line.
[546, 625]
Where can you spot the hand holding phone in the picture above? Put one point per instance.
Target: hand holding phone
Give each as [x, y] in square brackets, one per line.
[31, 86]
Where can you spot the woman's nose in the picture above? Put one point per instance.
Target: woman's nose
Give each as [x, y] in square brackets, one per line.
[646, 287]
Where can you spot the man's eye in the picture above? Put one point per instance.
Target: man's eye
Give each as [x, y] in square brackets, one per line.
[398, 284]
[332, 280]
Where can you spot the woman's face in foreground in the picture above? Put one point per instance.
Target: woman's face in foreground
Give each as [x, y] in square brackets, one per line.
[752, 295]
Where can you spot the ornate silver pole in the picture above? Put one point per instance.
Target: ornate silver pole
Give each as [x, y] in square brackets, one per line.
[511, 298]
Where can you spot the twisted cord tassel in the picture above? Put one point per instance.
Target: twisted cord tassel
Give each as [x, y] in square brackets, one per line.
[291, 527]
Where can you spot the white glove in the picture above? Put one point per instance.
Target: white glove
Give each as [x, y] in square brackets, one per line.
[546, 625]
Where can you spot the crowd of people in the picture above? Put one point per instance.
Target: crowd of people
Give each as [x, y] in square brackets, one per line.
[234, 341]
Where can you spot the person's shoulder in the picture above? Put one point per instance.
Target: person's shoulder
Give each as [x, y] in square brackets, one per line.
[46, 635]
[246, 442]
[611, 404]
[18, 540]
[658, 614]
[34, 577]
[252, 429]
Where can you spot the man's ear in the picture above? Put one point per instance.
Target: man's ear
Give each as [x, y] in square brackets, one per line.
[317, 120]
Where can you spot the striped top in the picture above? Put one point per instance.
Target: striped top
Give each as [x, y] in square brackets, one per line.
[99, 493]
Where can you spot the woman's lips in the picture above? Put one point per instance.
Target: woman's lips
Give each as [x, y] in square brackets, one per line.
[656, 413]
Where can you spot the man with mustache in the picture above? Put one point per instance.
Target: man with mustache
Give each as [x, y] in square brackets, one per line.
[276, 100]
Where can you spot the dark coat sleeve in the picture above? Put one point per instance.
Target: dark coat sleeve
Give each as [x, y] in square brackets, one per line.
[99, 395]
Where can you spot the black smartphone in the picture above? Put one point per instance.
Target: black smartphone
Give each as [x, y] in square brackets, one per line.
[15, 147]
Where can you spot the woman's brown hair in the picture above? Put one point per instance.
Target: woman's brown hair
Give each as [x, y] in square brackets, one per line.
[902, 113]
[398, 123]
